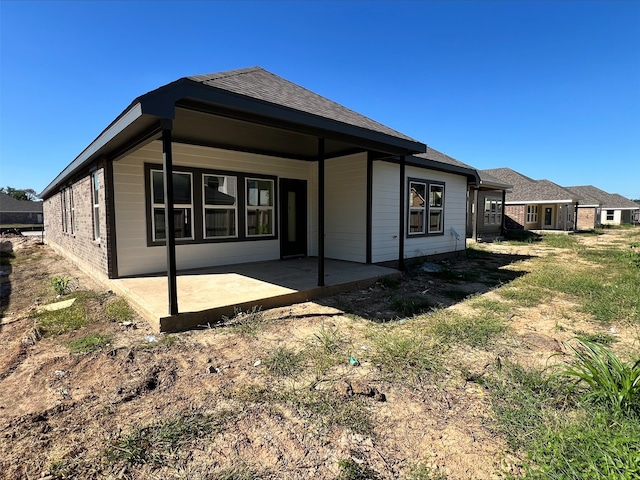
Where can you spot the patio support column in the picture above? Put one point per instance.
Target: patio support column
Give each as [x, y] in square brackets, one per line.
[170, 233]
[369, 227]
[504, 209]
[475, 214]
[321, 155]
[401, 235]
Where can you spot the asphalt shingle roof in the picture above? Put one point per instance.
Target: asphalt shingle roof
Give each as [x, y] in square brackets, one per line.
[594, 195]
[526, 189]
[258, 83]
[436, 156]
[10, 204]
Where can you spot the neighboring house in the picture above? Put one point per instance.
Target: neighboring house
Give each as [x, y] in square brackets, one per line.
[535, 204]
[262, 169]
[613, 209]
[486, 219]
[19, 212]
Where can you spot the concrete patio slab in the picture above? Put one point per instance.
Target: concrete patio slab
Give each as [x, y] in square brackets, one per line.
[206, 295]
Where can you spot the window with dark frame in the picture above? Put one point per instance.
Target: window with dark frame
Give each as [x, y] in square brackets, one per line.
[426, 208]
[492, 211]
[259, 207]
[610, 215]
[182, 205]
[95, 199]
[212, 206]
[220, 199]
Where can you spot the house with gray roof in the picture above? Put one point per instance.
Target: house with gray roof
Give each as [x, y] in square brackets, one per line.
[602, 208]
[536, 204]
[19, 213]
[261, 170]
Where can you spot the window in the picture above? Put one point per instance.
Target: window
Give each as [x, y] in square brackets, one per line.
[492, 211]
[420, 210]
[220, 206]
[436, 199]
[609, 215]
[259, 207]
[182, 205]
[95, 199]
[63, 210]
[417, 207]
[532, 214]
[68, 211]
[72, 212]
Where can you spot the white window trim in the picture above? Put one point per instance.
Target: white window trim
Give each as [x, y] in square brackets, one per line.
[95, 200]
[532, 214]
[206, 207]
[176, 206]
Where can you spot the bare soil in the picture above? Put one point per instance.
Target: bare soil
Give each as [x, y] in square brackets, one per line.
[59, 411]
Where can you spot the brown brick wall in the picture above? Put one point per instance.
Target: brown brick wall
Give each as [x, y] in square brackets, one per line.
[515, 217]
[586, 218]
[79, 246]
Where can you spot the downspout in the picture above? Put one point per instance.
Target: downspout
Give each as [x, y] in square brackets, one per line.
[575, 218]
[170, 234]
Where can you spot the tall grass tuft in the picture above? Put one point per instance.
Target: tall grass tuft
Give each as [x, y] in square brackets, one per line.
[610, 380]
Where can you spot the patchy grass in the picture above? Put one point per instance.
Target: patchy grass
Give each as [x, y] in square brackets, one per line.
[476, 331]
[119, 310]
[284, 362]
[562, 437]
[404, 354]
[249, 323]
[159, 442]
[557, 240]
[324, 410]
[57, 322]
[89, 343]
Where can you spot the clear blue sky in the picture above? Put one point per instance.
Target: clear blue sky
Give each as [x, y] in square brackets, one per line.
[548, 88]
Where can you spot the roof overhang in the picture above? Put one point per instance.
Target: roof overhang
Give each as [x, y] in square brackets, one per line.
[274, 129]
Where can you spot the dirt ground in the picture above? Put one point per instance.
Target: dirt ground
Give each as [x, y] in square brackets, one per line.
[58, 411]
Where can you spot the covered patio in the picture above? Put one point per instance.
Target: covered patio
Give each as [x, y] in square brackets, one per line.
[208, 294]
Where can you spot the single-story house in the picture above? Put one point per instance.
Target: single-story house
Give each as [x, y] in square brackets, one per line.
[603, 208]
[262, 169]
[485, 218]
[535, 204]
[19, 212]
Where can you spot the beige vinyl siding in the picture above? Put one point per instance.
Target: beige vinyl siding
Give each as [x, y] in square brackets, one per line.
[346, 208]
[135, 257]
[386, 208]
[384, 225]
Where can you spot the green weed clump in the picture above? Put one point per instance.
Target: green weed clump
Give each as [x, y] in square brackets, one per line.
[89, 343]
[352, 470]
[609, 380]
[559, 240]
[61, 285]
[120, 311]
